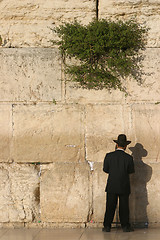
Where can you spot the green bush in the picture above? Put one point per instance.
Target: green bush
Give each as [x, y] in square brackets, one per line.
[107, 51]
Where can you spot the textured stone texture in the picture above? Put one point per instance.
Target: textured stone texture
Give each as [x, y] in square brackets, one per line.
[145, 196]
[150, 88]
[75, 94]
[99, 195]
[45, 119]
[36, 75]
[5, 132]
[30, 75]
[48, 133]
[146, 12]
[19, 198]
[27, 23]
[103, 124]
[64, 192]
[146, 129]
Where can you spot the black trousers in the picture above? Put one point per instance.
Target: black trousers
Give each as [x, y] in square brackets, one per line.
[111, 203]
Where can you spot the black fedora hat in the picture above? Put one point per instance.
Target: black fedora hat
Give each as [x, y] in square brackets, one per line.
[122, 140]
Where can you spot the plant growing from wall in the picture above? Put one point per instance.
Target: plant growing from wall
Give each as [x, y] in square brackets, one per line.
[107, 51]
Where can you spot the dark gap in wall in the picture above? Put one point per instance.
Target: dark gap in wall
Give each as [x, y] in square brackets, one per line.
[97, 8]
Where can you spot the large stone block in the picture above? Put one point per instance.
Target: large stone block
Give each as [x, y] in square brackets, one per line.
[30, 75]
[75, 94]
[146, 12]
[48, 133]
[27, 23]
[103, 124]
[144, 199]
[5, 132]
[145, 130]
[64, 192]
[149, 90]
[99, 196]
[19, 187]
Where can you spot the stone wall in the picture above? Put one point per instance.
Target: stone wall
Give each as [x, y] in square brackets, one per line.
[54, 135]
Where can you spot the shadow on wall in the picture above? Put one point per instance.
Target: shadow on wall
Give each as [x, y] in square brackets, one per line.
[139, 195]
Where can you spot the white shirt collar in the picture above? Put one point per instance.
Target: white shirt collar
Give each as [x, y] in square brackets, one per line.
[120, 149]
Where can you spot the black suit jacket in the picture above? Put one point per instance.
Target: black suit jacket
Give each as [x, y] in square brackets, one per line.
[118, 165]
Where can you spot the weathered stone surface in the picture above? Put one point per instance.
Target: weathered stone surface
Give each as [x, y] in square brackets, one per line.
[103, 124]
[144, 200]
[19, 187]
[5, 132]
[146, 130]
[99, 196]
[28, 23]
[30, 75]
[48, 133]
[75, 94]
[146, 12]
[149, 90]
[64, 192]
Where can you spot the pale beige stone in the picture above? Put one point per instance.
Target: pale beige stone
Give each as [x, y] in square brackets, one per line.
[103, 124]
[149, 90]
[146, 129]
[5, 132]
[19, 199]
[146, 12]
[27, 23]
[48, 133]
[65, 192]
[51, 225]
[75, 94]
[30, 75]
[99, 179]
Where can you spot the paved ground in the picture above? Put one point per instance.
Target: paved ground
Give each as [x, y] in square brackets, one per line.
[78, 234]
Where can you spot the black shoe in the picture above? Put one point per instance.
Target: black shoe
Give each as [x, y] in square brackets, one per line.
[106, 229]
[128, 229]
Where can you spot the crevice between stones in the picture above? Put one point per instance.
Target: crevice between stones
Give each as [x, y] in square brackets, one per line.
[97, 9]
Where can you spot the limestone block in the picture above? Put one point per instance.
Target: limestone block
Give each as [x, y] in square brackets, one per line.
[5, 132]
[64, 192]
[146, 12]
[144, 199]
[30, 75]
[103, 124]
[146, 130]
[19, 198]
[99, 195]
[48, 133]
[27, 23]
[75, 94]
[149, 90]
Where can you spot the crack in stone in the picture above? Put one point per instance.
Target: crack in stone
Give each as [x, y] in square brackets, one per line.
[97, 9]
